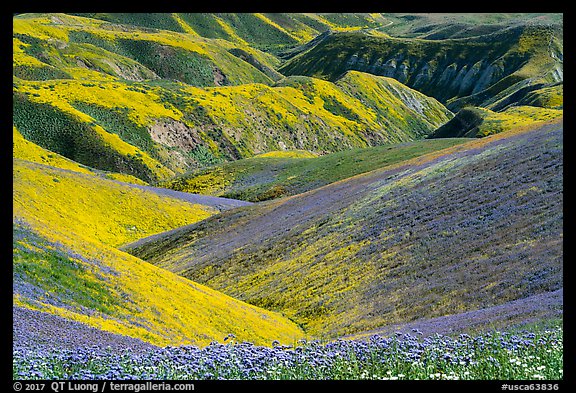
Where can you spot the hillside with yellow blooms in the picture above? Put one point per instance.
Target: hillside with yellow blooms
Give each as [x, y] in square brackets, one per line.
[220, 181]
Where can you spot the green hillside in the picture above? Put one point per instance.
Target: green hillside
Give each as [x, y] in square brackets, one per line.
[153, 130]
[438, 26]
[472, 226]
[472, 122]
[66, 227]
[29, 151]
[60, 46]
[278, 174]
[547, 97]
[277, 31]
[474, 71]
[265, 31]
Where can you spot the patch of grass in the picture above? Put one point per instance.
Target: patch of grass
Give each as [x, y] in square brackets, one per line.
[58, 275]
[277, 174]
[189, 67]
[29, 151]
[288, 154]
[117, 121]
[63, 133]
[42, 73]
[148, 21]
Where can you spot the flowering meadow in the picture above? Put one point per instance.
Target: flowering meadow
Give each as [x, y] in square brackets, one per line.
[411, 356]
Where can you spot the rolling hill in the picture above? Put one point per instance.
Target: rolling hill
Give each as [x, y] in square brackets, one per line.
[67, 226]
[280, 32]
[147, 96]
[29, 151]
[266, 31]
[153, 131]
[474, 122]
[60, 46]
[461, 229]
[439, 26]
[491, 70]
[140, 142]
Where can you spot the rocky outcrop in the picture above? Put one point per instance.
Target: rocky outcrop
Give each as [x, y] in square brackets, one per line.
[174, 133]
[441, 79]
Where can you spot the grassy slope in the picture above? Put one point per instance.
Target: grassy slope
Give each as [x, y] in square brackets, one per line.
[67, 226]
[458, 72]
[278, 174]
[468, 227]
[479, 122]
[548, 97]
[43, 115]
[109, 212]
[274, 31]
[312, 114]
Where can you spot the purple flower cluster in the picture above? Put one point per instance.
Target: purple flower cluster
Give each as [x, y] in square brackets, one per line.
[37, 329]
[400, 356]
[528, 310]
